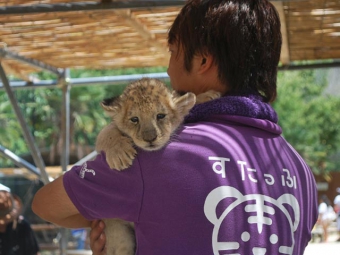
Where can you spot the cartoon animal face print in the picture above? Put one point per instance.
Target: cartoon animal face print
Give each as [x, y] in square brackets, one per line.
[258, 218]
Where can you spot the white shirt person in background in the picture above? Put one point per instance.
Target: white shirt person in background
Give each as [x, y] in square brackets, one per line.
[326, 215]
[337, 210]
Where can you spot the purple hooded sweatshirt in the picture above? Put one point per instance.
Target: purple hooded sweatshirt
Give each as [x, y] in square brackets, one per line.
[228, 183]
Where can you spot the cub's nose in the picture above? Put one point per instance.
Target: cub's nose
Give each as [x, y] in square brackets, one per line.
[149, 136]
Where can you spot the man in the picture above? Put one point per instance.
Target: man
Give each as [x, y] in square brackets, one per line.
[16, 235]
[229, 182]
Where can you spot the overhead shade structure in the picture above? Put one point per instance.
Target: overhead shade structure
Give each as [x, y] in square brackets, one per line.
[121, 34]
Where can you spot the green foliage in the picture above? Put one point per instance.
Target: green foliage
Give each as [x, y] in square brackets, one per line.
[42, 111]
[309, 119]
[10, 131]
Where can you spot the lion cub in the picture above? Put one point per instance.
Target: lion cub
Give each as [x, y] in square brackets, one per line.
[145, 115]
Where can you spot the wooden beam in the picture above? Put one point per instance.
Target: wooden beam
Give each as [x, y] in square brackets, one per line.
[285, 57]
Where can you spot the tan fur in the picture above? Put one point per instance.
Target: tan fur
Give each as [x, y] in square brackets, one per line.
[159, 112]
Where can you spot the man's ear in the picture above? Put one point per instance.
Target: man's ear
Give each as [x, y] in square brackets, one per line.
[206, 61]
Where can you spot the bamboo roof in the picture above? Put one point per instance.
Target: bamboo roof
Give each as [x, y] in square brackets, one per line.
[119, 34]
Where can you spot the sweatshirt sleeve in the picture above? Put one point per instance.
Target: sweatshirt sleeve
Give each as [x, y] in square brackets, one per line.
[99, 192]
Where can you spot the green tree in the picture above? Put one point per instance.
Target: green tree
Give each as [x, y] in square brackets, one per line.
[309, 119]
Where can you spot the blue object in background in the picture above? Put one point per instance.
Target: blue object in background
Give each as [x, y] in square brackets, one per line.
[80, 236]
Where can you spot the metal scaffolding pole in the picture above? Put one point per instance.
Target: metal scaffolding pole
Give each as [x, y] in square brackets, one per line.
[90, 156]
[112, 80]
[293, 67]
[118, 79]
[87, 6]
[31, 85]
[33, 62]
[19, 161]
[65, 129]
[65, 123]
[27, 134]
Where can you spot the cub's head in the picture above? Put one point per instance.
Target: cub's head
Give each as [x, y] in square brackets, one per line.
[148, 112]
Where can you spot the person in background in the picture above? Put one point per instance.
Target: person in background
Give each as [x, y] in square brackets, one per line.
[229, 183]
[16, 234]
[337, 210]
[326, 215]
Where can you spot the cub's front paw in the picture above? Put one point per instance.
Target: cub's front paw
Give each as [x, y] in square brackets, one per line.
[121, 155]
[207, 96]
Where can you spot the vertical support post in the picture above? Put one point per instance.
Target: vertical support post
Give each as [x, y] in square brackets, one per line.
[63, 241]
[27, 134]
[65, 123]
[65, 129]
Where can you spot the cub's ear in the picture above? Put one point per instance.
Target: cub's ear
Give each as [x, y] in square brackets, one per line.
[110, 105]
[184, 103]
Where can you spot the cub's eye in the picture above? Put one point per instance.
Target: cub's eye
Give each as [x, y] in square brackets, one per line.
[134, 120]
[160, 116]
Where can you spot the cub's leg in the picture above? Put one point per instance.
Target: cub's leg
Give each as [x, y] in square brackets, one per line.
[118, 148]
[120, 237]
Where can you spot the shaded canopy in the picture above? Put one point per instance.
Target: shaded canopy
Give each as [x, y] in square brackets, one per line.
[119, 34]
